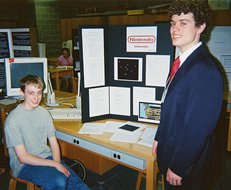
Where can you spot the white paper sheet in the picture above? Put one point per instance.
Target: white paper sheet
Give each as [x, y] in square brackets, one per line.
[147, 141]
[93, 57]
[149, 131]
[142, 94]
[123, 137]
[92, 128]
[157, 69]
[147, 136]
[120, 101]
[98, 101]
[112, 126]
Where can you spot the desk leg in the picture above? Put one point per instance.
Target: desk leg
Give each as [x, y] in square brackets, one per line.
[151, 175]
[57, 81]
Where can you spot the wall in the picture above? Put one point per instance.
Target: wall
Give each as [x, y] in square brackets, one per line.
[17, 13]
[45, 15]
[48, 26]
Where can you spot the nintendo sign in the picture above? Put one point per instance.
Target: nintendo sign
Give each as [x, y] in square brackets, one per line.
[141, 39]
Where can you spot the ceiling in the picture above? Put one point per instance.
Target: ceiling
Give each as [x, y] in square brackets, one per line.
[113, 4]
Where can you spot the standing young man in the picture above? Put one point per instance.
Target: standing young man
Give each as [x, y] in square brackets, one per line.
[28, 128]
[192, 101]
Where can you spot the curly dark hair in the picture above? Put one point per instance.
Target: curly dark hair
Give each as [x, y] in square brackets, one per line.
[199, 8]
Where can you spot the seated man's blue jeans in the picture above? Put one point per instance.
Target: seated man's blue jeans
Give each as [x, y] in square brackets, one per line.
[49, 178]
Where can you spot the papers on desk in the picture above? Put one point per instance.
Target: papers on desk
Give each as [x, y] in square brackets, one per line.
[100, 128]
[147, 136]
[64, 67]
[92, 128]
[112, 127]
[129, 132]
[123, 137]
[143, 135]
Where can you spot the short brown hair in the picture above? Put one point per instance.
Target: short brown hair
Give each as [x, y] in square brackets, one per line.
[31, 79]
[199, 8]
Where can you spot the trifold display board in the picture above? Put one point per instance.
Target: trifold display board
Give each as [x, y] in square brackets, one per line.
[122, 66]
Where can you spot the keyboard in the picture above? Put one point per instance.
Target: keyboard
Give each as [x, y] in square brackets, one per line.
[65, 113]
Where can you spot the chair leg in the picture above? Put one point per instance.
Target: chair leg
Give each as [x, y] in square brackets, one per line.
[12, 184]
[30, 186]
[162, 182]
[139, 180]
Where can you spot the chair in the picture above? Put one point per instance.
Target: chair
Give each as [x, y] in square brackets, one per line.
[69, 84]
[65, 84]
[141, 175]
[14, 180]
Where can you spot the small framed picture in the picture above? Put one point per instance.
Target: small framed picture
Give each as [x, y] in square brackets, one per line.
[149, 112]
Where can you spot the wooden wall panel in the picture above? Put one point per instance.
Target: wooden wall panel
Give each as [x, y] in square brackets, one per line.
[221, 18]
[123, 19]
[67, 25]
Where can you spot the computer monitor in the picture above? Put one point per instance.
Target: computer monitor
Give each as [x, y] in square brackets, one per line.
[16, 68]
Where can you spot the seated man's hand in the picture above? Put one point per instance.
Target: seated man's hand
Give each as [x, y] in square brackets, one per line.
[62, 169]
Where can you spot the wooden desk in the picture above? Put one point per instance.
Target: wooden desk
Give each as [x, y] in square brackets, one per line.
[56, 74]
[131, 155]
[99, 154]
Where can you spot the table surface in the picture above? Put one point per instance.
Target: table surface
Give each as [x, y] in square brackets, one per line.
[72, 127]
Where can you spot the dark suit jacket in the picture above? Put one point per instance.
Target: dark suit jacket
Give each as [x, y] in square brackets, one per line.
[189, 114]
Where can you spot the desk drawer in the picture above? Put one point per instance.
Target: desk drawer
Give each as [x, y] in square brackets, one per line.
[102, 150]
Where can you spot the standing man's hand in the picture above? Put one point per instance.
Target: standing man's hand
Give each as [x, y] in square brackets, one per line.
[172, 178]
[154, 147]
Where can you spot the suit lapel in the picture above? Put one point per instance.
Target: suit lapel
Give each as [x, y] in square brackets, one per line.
[185, 67]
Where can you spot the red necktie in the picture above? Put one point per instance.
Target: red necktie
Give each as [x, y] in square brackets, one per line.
[174, 68]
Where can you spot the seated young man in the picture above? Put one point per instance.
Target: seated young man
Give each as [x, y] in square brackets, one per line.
[28, 128]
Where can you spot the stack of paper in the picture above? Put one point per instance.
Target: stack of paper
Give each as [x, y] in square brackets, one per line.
[126, 132]
[92, 128]
[148, 136]
[112, 126]
[124, 137]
